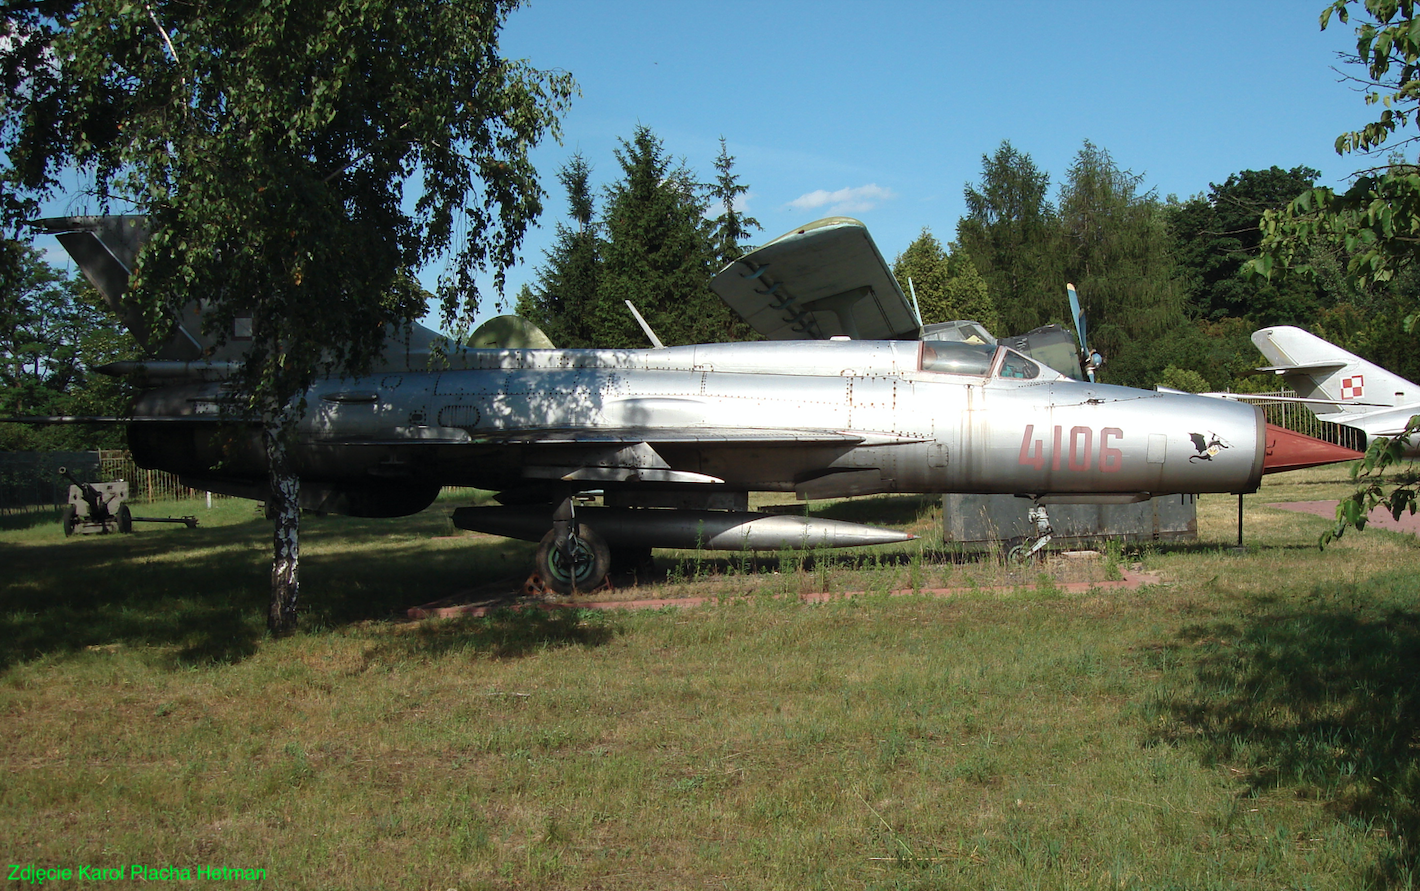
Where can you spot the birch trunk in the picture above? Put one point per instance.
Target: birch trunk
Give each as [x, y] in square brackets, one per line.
[286, 537]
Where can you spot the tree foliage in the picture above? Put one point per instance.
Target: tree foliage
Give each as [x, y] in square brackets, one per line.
[946, 283]
[652, 245]
[1376, 221]
[1215, 234]
[1374, 225]
[732, 228]
[53, 331]
[1007, 233]
[567, 283]
[270, 145]
[1115, 247]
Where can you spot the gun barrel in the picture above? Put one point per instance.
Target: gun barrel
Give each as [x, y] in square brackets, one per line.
[64, 472]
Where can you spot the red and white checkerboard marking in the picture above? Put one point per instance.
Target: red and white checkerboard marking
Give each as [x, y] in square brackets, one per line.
[1351, 387]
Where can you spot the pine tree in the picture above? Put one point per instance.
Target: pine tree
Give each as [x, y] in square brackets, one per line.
[732, 227]
[1007, 232]
[1117, 249]
[657, 254]
[946, 285]
[567, 283]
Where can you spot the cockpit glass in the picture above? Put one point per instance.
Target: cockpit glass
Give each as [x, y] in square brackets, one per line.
[1019, 367]
[956, 358]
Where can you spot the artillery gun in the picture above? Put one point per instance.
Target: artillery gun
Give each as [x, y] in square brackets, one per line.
[95, 507]
[99, 508]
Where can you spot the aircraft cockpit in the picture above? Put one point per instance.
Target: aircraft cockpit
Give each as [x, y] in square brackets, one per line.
[954, 357]
[977, 360]
[1014, 365]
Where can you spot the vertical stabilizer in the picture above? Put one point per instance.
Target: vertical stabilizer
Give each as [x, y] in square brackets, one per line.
[105, 249]
[1317, 369]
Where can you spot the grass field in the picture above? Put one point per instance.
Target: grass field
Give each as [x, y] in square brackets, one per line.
[1252, 722]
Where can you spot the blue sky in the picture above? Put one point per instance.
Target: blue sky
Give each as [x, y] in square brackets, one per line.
[888, 106]
[883, 110]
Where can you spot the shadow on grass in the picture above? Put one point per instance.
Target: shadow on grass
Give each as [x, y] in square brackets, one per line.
[64, 596]
[29, 519]
[505, 634]
[202, 595]
[1322, 700]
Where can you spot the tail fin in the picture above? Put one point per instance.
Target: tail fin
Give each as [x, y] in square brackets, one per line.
[105, 249]
[1317, 369]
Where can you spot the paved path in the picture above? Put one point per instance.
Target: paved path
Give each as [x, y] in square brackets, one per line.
[1380, 517]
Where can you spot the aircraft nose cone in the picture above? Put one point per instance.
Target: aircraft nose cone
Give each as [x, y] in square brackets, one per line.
[1290, 450]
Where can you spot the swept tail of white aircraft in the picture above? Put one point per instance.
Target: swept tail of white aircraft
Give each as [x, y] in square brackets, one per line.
[1338, 386]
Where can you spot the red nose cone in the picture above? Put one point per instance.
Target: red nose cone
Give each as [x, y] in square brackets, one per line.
[1290, 450]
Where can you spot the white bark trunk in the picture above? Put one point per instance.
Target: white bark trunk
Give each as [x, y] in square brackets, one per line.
[286, 537]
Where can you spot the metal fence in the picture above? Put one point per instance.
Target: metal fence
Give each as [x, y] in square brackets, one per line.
[144, 486]
[1299, 417]
[30, 481]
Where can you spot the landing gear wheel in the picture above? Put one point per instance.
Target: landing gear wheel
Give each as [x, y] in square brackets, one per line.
[1017, 553]
[68, 519]
[584, 568]
[125, 519]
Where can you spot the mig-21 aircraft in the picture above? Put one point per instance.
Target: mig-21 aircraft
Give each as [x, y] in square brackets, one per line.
[675, 438]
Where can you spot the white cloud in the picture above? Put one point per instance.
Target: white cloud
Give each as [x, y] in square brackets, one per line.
[854, 200]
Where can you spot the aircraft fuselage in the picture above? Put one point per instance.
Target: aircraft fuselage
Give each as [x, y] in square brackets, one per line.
[820, 418]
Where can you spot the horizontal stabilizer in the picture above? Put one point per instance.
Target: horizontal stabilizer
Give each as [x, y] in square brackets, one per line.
[1304, 369]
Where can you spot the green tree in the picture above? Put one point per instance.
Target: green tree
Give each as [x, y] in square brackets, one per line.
[732, 227]
[1115, 246]
[295, 159]
[1008, 234]
[1216, 233]
[566, 284]
[53, 331]
[1375, 224]
[946, 283]
[658, 254]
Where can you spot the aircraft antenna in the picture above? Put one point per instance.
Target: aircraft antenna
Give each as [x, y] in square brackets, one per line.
[917, 310]
[655, 341]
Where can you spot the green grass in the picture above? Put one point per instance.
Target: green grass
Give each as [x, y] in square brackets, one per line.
[1251, 723]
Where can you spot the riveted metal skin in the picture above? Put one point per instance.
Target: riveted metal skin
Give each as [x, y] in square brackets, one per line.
[817, 418]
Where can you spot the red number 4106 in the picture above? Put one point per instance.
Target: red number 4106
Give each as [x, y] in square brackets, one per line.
[1080, 455]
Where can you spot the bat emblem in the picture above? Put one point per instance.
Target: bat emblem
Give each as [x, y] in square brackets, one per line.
[1207, 447]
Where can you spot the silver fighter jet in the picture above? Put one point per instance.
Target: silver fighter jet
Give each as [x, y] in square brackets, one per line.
[676, 438]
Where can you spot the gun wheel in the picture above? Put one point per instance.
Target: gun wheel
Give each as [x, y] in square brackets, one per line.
[68, 519]
[583, 567]
[125, 519]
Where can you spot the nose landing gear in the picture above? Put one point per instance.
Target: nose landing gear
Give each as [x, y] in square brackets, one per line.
[1027, 549]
